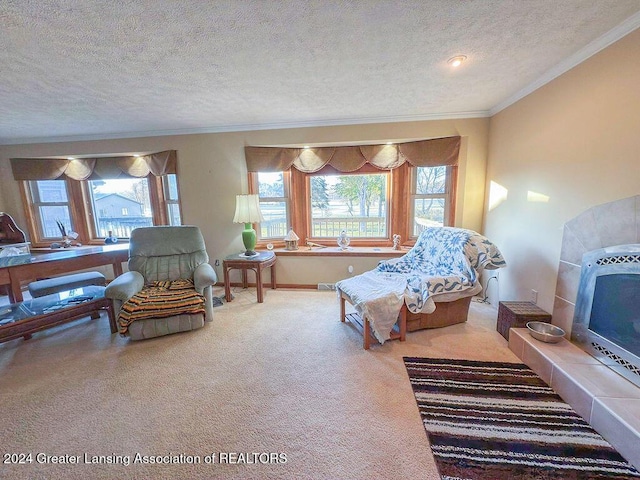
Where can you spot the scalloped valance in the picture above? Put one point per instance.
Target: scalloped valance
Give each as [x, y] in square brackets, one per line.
[158, 164]
[423, 153]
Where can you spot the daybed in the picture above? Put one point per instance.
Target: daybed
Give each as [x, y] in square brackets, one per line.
[430, 286]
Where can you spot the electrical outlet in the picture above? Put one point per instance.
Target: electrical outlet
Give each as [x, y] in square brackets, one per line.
[217, 263]
[534, 296]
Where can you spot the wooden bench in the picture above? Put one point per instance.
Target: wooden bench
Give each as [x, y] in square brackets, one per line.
[40, 288]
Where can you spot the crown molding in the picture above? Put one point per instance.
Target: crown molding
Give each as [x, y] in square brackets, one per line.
[247, 127]
[612, 36]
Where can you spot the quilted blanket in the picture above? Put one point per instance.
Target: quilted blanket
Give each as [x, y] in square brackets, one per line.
[159, 300]
[445, 262]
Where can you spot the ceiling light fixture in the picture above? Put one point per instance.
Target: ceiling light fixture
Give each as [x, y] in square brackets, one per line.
[457, 60]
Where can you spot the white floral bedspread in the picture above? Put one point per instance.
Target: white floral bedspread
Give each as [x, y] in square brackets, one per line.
[444, 263]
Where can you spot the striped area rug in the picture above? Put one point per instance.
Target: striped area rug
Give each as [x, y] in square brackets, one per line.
[493, 420]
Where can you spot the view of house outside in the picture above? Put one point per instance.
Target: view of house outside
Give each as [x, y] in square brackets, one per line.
[120, 205]
[355, 204]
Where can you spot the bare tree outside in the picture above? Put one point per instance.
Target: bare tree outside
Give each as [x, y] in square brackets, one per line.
[356, 204]
[430, 196]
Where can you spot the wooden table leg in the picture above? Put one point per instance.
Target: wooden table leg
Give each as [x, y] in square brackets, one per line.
[245, 283]
[343, 315]
[15, 292]
[227, 285]
[366, 333]
[402, 323]
[273, 276]
[117, 269]
[112, 318]
[259, 284]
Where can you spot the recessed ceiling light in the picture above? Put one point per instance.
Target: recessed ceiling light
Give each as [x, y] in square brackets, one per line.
[389, 143]
[457, 60]
[306, 147]
[71, 158]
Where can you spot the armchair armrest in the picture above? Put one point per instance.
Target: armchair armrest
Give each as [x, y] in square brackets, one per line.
[125, 286]
[204, 276]
[390, 261]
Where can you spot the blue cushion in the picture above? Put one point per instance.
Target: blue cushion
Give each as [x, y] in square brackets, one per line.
[41, 288]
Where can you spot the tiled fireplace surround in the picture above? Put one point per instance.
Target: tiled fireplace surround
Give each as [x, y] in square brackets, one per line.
[609, 402]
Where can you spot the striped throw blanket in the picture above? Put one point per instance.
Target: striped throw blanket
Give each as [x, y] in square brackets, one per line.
[161, 299]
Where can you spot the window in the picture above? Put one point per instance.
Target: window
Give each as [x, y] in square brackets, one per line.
[93, 208]
[273, 191]
[172, 205]
[356, 204]
[119, 206]
[430, 199]
[371, 205]
[49, 205]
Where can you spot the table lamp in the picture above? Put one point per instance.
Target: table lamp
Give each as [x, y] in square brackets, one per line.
[248, 212]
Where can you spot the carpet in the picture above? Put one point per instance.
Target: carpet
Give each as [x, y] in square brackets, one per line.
[495, 420]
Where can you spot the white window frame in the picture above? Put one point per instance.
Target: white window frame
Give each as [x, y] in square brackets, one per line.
[446, 196]
[36, 202]
[387, 208]
[286, 199]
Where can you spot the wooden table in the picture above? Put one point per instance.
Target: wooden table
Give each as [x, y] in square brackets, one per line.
[22, 319]
[257, 264]
[62, 261]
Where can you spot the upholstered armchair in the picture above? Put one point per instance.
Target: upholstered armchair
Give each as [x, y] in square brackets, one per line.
[163, 261]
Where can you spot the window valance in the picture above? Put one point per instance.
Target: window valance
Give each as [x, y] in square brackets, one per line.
[423, 153]
[158, 164]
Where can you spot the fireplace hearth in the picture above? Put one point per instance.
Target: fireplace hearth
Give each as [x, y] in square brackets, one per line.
[606, 322]
[609, 401]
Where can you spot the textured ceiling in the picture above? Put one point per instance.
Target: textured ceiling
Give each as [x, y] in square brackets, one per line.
[104, 69]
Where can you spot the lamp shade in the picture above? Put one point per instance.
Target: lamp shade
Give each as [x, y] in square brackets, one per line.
[248, 209]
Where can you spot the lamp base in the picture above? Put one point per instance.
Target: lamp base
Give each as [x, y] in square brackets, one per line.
[249, 239]
[249, 254]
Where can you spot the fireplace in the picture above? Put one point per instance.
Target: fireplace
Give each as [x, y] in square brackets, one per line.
[606, 321]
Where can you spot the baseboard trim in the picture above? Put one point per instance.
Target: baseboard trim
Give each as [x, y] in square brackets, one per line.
[278, 285]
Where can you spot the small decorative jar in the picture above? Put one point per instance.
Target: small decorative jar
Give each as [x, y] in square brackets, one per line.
[343, 240]
[110, 240]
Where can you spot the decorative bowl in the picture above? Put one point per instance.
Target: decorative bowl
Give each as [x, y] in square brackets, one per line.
[545, 332]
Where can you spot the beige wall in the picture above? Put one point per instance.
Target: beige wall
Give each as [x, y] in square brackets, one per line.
[212, 171]
[576, 140]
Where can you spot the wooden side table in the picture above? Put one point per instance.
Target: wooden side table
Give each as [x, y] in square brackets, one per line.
[517, 314]
[257, 264]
